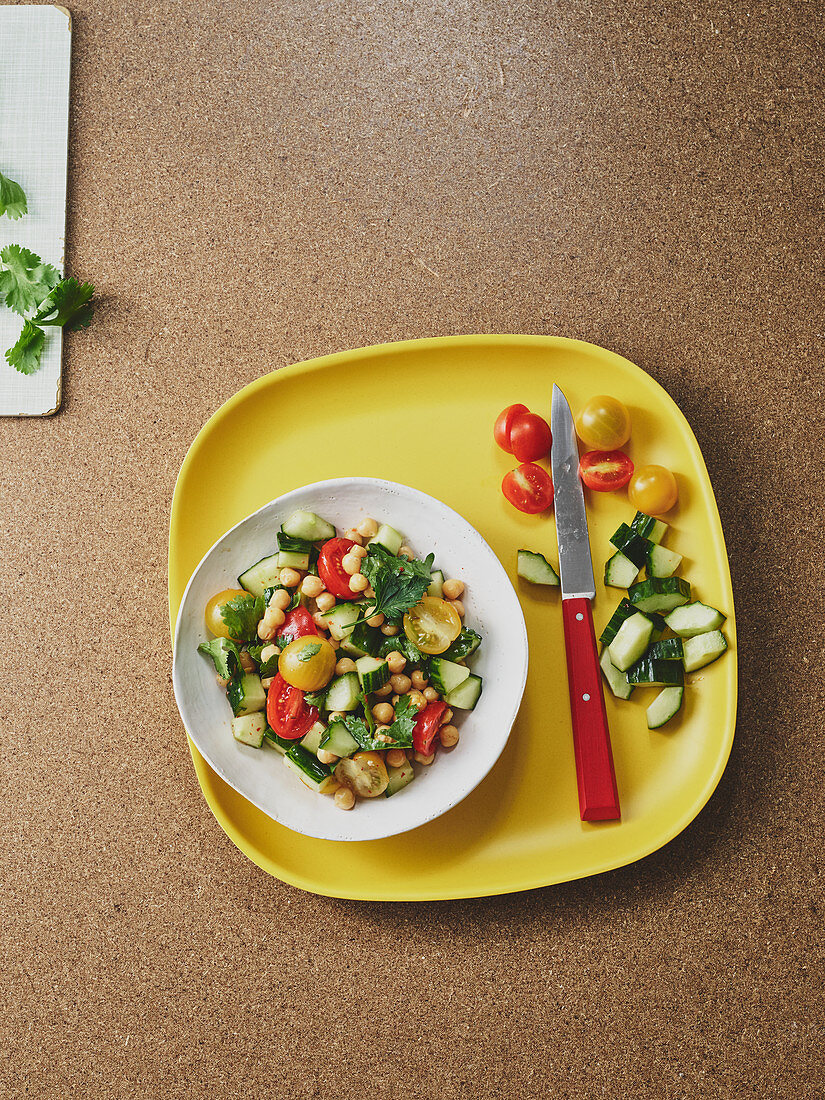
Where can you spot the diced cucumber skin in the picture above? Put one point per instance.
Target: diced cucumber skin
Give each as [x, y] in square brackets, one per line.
[650, 673]
[666, 704]
[659, 594]
[246, 694]
[464, 646]
[312, 739]
[309, 526]
[309, 769]
[649, 527]
[344, 693]
[339, 740]
[535, 568]
[263, 574]
[669, 650]
[341, 619]
[436, 584]
[619, 571]
[249, 729]
[466, 695]
[372, 672]
[616, 680]
[695, 618]
[299, 546]
[387, 537]
[399, 778]
[631, 544]
[631, 641]
[703, 649]
[366, 638]
[622, 612]
[661, 562]
[280, 744]
[447, 675]
[288, 559]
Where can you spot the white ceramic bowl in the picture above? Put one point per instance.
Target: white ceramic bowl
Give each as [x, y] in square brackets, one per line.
[492, 608]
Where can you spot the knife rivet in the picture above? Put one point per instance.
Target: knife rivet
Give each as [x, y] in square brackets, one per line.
[586, 697]
[579, 617]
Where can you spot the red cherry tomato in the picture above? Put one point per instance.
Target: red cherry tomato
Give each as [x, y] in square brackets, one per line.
[330, 570]
[605, 471]
[530, 437]
[426, 727]
[528, 488]
[504, 422]
[297, 624]
[287, 713]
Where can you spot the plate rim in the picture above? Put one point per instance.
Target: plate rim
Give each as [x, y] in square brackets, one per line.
[539, 881]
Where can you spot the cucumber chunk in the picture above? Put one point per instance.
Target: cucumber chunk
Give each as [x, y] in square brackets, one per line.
[535, 568]
[630, 642]
[619, 571]
[702, 649]
[246, 694]
[363, 639]
[659, 594]
[260, 576]
[312, 739]
[341, 619]
[339, 740]
[664, 706]
[309, 769]
[652, 529]
[280, 744]
[249, 729]
[436, 584]
[399, 778]
[466, 695]
[372, 672]
[344, 693]
[668, 650]
[634, 546]
[661, 562]
[694, 618]
[446, 675]
[616, 680]
[653, 673]
[388, 537]
[622, 612]
[464, 646]
[291, 559]
[308, 526]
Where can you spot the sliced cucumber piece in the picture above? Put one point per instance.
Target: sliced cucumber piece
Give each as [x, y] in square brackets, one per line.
[464, 646]
[654, 673]
[466, 695]
[446, 675]
[694, 618]
[535, 568]
[344, 693]
[702, 649]
[399, 778]
[659, 626]
[249, 729]
[309, 769]
[436, 583]
[341, 619]
[649, 527]
[388, 537]
[312, 739]
[662, 562]
[260, 576]
[363, 639]
[622, 612]
[632, 639]
[280, 744]
[668, 650]
[619, 571]
[290, 559]
[616, 680]
[634, 546]
[372, 672]
[306, 525]
[659, 594]
[246, 694]
[298, 546]
[339, 740]
[664, 706]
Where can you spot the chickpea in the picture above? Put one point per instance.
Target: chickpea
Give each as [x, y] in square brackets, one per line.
[381, 735]
[395, 758]
[358, 551]
[367, 527]
[376, 620]
[452, 589]
[396, 699]
[416, 699]
[247, 661]
[448, 736]
[312, 586]
[446, 717]
[353, 535]
[320, 621]
[346, 664]
[396, 662]
[405, 552]
[425, 759]
[459, 607]
[221, 682]
[383, 713]
[269, 624]
[401, 683]
[266, 681]
[384, 691]
[430, 694]
[327, 757]
[388, 630]
[325, 602]
[335, 716]
[419, 680]
[268, 652]
[290, 578]
[344, 799]
[280, 599]
[358, 582]
[369, 593]
[350, 564]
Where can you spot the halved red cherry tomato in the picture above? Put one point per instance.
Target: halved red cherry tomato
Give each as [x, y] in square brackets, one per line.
[426, 727]
[605, 471]
[528, 488]
[504, 422]
[530, 437]
[297, 624]
[330, 570]
[287, 713]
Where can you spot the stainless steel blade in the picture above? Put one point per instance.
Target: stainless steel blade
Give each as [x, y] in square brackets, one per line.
[575, 564]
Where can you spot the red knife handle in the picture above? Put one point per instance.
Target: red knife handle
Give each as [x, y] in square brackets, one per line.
[598, 797]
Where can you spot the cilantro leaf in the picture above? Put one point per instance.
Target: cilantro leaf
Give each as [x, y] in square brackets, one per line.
[315, 698]
[241, 616]
[12, 198]
[268, 667]
[70, 302]
[402, 726]
[24, 356]
[399, 584]
[225, 655]
[26, 280]
[309, 651]
[398, 735]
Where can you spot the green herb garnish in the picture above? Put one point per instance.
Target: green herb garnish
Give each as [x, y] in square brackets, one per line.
[12, 199]
[399, 584]
[24, 356]
[225, 655]
[25, 280]
[241, 616]
[309, 651]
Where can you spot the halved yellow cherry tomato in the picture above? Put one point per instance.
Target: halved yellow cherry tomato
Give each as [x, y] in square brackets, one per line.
[432, 625]
[212, 615]
[603, 424]
[365, 774]
[307, 663]
[653, 489]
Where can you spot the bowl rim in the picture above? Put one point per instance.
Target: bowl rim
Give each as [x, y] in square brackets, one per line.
[331, 484]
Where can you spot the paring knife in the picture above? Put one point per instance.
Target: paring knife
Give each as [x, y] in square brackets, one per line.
[598, 796]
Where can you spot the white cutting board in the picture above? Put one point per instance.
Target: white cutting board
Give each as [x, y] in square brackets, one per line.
[35, 53]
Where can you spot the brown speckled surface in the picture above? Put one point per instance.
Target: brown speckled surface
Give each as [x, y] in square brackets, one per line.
[253, 184]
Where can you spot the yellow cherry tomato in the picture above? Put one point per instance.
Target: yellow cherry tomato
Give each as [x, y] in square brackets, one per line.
[652, 489]
[307, 663]
[365, 774]
[212, 615]
[603, 424]
[432, 625]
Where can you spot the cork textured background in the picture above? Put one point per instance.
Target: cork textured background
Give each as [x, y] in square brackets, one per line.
[252, 184]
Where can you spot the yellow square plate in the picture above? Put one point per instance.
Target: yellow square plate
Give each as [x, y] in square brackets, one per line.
[422, 413]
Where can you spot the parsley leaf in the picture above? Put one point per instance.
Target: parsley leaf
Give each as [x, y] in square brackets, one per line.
[401, 729]
[400, 733]
[225, 655]
[12, 198]
[25, 355]
[70, 302]
[241, 616]
[315, 698]
[399, 584]
[268, 667]
[26, 280]
[309, 651]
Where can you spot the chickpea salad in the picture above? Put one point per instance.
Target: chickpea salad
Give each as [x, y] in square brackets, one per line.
[346, 654]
